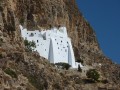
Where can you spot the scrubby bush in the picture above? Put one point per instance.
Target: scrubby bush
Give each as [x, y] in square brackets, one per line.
[63, 65]
[1, 56]
[104, 81]
[93, 74]
[80, 61]
[10, 72]
[1, 41]
[30, 45]
[21, 21]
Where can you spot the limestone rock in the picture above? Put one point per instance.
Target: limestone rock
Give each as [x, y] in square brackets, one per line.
[34, 72]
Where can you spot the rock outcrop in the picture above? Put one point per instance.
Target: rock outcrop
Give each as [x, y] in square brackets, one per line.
[32, 71]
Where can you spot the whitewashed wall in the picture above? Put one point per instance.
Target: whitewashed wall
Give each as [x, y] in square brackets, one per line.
[53, 44]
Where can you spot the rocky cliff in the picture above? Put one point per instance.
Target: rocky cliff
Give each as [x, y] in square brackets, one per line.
[31, 72]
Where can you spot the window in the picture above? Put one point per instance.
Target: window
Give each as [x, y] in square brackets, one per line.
[45, 49]
[57, 43]
[37, 41]
[58, 47]
[65, 50]
[31, 34]
[61, 41]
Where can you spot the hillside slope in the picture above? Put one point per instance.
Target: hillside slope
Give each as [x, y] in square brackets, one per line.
[32, 71]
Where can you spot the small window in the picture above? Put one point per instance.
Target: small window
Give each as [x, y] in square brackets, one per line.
[27, 33]
[57, 43]
[31, 34]
[61, 41]
[65, 50]
[67, 42]
[55, 39]
[37, 41]
[45, 49]
[58, 47]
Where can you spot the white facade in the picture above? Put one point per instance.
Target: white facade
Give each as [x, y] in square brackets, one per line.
[53, 44]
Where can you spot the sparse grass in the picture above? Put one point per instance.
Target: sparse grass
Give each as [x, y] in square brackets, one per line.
[104, 81]
[1, 56]
[57, 86]
[1, 41]
[33, 81]
[10, 72]
[21, 21]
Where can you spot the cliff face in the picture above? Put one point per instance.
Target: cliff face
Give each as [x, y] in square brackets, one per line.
[37, 14]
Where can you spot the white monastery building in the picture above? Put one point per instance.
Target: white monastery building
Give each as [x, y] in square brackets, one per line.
[53, 44]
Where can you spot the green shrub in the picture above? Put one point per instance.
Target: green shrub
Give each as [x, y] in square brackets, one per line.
[104, 81]
[1, 0]
[34, 82]
[1, 56]
[10, 72]
[21, 21]
[80, 61]
[30, 45]
[57, 86]
[93, 74]
[63, 65]
[1, 41]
